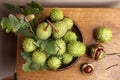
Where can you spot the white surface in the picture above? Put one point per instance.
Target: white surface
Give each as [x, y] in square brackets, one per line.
[67, 3]
[77, 3]
[117, 5]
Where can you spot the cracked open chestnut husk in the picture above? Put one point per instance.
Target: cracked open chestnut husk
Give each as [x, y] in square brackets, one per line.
[96, 51]
[87, 68]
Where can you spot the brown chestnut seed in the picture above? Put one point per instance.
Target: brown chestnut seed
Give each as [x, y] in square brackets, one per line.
[87, 68]
[97, 51]
[20, 16]
[29, 17]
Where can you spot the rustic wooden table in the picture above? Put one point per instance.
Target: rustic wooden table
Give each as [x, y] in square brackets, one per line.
[87, 19]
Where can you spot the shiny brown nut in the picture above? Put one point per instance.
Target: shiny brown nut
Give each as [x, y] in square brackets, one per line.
[96, 51]
[29, 17]
[87, 68]
[20, 16]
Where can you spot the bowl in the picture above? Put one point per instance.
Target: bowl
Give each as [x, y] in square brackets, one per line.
[79, 38]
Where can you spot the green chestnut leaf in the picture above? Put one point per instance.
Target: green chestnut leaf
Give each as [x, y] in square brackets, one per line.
[49, 46]
[27, 56]
[26, 32]
[26, 67]
[11, 24]
[34, 66]
[30, 8]
[38, 43]
[30, 66]
[12, 8]
[43, 67]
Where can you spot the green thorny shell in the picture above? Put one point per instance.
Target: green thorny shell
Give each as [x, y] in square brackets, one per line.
[43, 30]
[70, 36]
[62, 29]
[56, 14]
[60, 46]
[97, 51]
[69, 22]
[39, 57]
[67, 58]
[29, 45]
[76, 48]
[54, 63]
[103, 34]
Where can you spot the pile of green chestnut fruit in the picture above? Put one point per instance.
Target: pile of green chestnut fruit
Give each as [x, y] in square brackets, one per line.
[59, 30]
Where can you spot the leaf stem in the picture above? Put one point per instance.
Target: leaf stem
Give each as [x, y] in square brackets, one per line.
[111, 66]
[112, 53]
[53, 26]
[118, 55]
[31, 29]
[45, 29]
[58, 47]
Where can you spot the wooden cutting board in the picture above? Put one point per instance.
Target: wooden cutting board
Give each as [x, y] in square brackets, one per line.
[87, 19]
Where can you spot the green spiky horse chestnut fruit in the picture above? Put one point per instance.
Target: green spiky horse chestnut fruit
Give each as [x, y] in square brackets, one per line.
[76, 48]
[43, 30]
[54, 63]
[56, 14]
[29, 45]
[39, 57]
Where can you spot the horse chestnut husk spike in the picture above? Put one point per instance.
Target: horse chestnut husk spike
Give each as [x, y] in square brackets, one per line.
[103, 34]
[96, 51]
[87, 68]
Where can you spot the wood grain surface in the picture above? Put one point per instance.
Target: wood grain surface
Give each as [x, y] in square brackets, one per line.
[87, 19]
